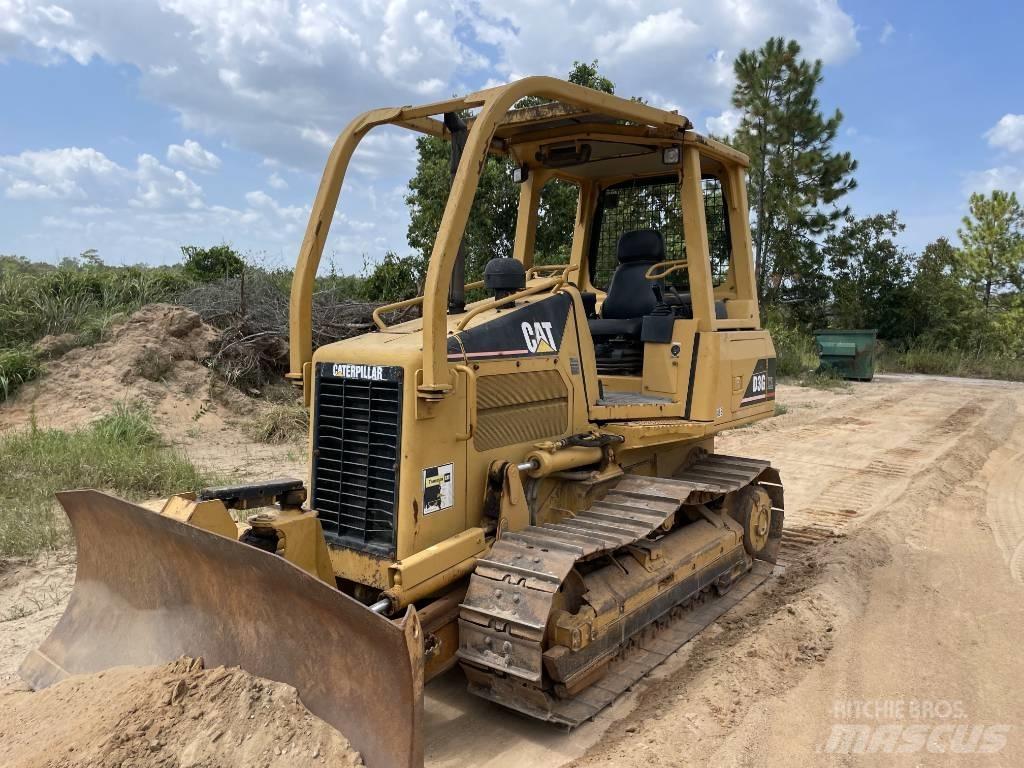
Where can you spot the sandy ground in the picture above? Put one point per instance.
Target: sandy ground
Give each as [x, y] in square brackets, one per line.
[177, 715]
[890, 637]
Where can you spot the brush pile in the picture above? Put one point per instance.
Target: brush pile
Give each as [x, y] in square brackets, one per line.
[252, 314]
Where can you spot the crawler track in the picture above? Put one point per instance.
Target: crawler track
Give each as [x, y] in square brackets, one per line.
[513, 592]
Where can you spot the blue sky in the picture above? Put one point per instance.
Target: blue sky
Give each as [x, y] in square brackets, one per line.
[138, 126]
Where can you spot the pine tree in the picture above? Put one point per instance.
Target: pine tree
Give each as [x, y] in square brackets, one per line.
[992, 258]
[795, 177]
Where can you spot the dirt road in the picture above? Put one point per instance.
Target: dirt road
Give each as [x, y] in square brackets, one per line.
[893, 633]
[891, 636]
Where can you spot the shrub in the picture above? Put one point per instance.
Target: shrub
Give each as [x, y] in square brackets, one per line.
[37, 300]
[823, 378]
[795, 350]
[214, 263]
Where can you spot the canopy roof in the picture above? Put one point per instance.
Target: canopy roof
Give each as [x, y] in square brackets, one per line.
[570, 112]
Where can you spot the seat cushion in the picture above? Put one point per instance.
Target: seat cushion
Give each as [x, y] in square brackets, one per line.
[645, 245]
[605, 327]
[630, 294]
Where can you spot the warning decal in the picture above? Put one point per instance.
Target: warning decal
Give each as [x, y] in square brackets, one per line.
[438, 488]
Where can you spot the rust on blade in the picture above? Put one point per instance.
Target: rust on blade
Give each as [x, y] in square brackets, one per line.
[150, 589]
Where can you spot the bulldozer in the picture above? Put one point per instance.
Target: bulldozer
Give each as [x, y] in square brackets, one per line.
[520, 480]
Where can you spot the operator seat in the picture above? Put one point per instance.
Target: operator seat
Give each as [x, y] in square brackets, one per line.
[630, 294]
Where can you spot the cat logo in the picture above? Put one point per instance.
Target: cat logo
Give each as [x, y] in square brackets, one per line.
[539, 337]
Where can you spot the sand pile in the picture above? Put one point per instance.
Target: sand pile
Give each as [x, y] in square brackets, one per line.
[179, 715]
[155, 355]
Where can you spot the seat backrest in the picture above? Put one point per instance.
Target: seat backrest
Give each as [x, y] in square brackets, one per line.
[630, 293]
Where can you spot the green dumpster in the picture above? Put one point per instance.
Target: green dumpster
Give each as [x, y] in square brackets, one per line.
[850, 353]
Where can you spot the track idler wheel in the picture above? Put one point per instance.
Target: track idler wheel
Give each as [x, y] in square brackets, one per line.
[752, 508]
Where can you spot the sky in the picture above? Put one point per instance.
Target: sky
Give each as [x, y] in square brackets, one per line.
[134, 127]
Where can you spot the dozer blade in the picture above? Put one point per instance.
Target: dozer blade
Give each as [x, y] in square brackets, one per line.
[150, 589]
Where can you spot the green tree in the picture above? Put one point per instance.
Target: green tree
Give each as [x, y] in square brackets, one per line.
[870, 274]
[992, 258]
[214, 263]
[90, 257]
[490, 231]
[939, 306]
[394, 278]
[795, 178]
[491, 225]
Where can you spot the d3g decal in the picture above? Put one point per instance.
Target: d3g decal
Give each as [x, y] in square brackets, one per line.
[761, 386]
[532, 329]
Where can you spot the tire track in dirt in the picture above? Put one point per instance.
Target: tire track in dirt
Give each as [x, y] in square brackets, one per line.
[1004, 506]
[716, 705]
[858, 481]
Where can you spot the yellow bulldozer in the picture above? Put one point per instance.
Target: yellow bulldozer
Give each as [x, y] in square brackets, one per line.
[524, 485]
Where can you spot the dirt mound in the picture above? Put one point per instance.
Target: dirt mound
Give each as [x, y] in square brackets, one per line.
[157, 351]
[179, 715]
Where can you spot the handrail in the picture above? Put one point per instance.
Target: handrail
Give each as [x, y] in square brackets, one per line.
[470, 402]
[396, 305]
[669, 267]
[565, 269]
[544, 285]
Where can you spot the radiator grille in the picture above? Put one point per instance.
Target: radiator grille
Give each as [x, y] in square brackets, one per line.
[520, 408]
[356, 439]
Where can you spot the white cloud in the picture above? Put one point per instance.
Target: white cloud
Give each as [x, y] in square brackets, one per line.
[163, 187]
[887, 31]
[55, 174]
[193, 154]
[44, 32]
[261, 201]
[281, 78]
[1008, 178]
[658, 30]
[724, 124]
[256, 74]
[316, 136]
[88, 174]
[1008, 133]
[91, 210]
[681, 49]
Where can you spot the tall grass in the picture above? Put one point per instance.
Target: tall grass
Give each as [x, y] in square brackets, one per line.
[17, 366]
[120, 453]
[949, 362]
[795, 351]
[37, 301]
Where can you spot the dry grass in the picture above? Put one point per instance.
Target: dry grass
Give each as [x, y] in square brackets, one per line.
[280, 423]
